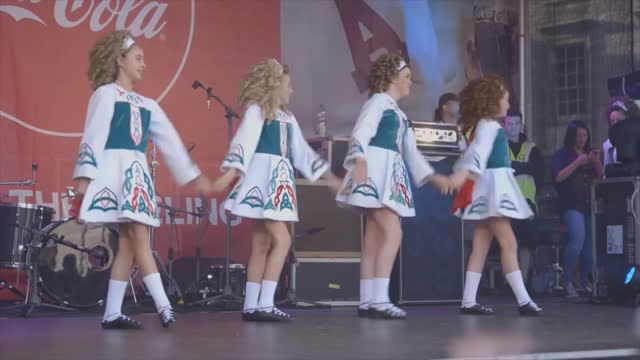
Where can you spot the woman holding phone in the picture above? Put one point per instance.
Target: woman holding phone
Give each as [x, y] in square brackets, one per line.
[574, 167]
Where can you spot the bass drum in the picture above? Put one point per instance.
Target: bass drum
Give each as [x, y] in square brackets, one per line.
[72, 277]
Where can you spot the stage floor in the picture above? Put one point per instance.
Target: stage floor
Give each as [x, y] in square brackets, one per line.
[430, 332]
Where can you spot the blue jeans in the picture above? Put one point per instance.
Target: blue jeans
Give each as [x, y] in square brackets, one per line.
[579, 244]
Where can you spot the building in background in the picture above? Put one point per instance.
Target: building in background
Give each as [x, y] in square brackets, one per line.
[574, 47]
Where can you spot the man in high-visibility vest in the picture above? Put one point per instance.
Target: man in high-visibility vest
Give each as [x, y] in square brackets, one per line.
[528, 166]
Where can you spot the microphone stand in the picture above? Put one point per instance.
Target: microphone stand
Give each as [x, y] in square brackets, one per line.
[227, 295]
[173, 289]
[172, 212]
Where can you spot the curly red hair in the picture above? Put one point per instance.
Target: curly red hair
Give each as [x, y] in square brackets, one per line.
[480, 99]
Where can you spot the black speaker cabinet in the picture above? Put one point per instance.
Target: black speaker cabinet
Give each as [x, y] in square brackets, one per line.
[614, 231]
[334, 281]
[431, 260]
[340, 230]
[333, 149]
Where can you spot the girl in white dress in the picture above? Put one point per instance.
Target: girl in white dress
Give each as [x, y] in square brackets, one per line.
[264, 151]
[377, 181]
[111, 171]
[490, 193]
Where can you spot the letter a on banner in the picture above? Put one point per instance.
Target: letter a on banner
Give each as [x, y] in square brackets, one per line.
[354, 13]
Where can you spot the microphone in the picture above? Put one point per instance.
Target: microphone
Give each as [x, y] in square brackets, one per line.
[314, 230]
[197, 84]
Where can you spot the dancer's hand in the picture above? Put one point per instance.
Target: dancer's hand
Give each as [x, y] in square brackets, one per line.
[204, 185]
[457, 180]
[440, 182]
[81, 185]
[334, 182]
[223, 182]
[360, 172]
[76, 203]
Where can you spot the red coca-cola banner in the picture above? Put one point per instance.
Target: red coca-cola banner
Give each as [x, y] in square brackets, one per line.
[44, 92]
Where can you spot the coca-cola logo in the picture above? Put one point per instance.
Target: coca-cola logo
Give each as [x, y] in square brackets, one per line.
[59, 33]
[483, 13]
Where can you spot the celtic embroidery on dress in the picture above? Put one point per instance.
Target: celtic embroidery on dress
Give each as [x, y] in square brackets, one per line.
[253, 198]
[506, 203]
[355, 148]
[138, 191]
[400, 187]
[367, 188]
[86, 156]
[479, 206]
[235, 155]
[104, 200]
[317, 165]
[281, 187]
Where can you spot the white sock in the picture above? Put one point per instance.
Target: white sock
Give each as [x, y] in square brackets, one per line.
[517, 285]
[366, 292]
[471, 283]
[252, 291]
[153, 282]
[267, 293]
[115, 295]
[381, 294]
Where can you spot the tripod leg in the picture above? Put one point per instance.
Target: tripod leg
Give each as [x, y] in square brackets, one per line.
[12, 289]
[174, 289]
[133, 290]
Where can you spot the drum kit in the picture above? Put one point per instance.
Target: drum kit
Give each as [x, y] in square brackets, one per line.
[68, 263]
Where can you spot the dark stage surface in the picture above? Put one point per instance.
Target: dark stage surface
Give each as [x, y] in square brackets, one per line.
[430, 332]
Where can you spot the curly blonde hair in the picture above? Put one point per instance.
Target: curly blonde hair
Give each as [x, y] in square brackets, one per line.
[103, 58]
[382, 72]
[260, 84]
[480, 99]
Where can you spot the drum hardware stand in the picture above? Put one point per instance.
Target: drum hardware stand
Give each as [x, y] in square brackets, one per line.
[5, 285]
[202, 211]
[227, 296]
[30, 182]
[291, 299]
[71, 194]
[32, 299]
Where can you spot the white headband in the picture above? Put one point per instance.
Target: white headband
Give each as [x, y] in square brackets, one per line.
[128, 42]
[280, 67]
[401, 66]
[621, 105]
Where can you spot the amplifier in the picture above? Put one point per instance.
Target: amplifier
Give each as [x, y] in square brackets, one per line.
[333, 281]
[436, 137]
[615, 233]
[430, 266]
[342, 229]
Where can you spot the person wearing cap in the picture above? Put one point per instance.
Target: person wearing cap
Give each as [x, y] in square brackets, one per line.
[447, 110]
[618, 109]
